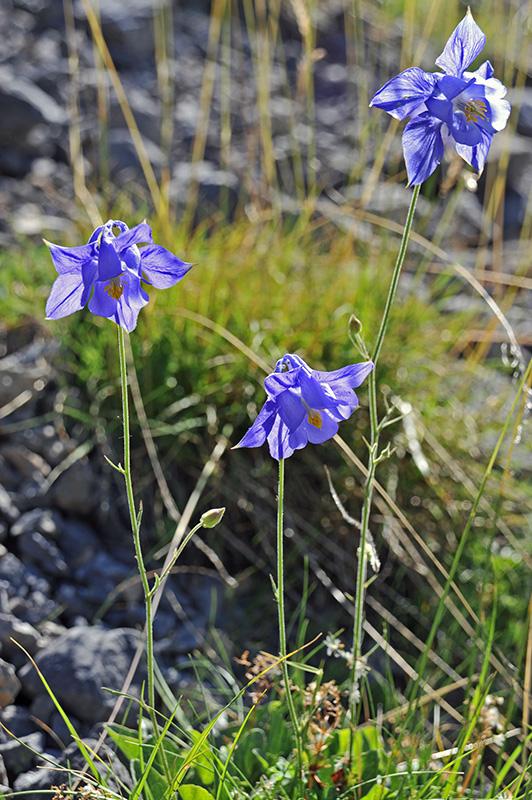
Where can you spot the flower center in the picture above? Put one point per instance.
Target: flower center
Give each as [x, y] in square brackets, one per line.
[115, 289]
[314, 417]
[474, 110]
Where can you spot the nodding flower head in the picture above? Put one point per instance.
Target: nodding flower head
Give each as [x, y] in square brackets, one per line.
[454, 107]
[304, 405]
[107, 273]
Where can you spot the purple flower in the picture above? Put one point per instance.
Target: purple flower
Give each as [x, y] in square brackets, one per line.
[304, 405]
[452, 108]
[107, 273]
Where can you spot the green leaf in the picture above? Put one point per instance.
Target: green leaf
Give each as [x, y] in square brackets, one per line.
[278, 731]
[127, 742]
[203, 760]
[376, 793]
[155, 785]
[190, 792]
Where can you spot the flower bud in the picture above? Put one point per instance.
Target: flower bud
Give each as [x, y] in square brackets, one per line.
[210, 519]
[355, 325]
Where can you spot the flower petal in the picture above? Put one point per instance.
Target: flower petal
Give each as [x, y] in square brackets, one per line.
[442, 109]
[281, 381]
[89, 271]
[476, 156]
[299, 438]
[464, 132]
[347, 402]
[140, 234]
[464, 44]
[292, 361]
[131, 302]
[500, 111]
[422, 147]
[161, 267]
[109, 265]
[290, 408]
[95, 234]
[485, 71]
[401, 95]
[278, 440]
[256, 435]
[314, 394]
[66, 296]
[329, 428]
[69, 259]
[353, 374]
[101, 303]
[451, 87]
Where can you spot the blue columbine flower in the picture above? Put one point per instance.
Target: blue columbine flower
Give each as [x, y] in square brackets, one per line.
[453, 107]
[107, 273]
[304, 405]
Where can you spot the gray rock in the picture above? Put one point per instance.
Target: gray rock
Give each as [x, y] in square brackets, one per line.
[112, 768]
[18, 721]
[23, 106]
[23, 633]
[77, 666]
[4, 780]
[77, 542]
[42, 708]
[24, 592]
[8, 509]
[26, 370]
[34, 780]
[20, 580]
[9, 683]
[17, 756]
[38, 519]
[127, 29]
[35, 608]
[75, 491]
[37, 549]
[123, 157]
[60, 728]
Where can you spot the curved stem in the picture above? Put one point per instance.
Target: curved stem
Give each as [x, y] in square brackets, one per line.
[282, 625]
[135, 521]
[358, 618]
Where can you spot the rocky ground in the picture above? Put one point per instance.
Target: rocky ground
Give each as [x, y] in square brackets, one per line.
[64, 550]
[37, 92]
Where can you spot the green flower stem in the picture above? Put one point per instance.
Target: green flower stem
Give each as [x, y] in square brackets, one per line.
[282, 626]
[372, 463]
[135, 523]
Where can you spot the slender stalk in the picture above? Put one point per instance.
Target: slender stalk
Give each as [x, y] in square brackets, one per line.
[282, 625]
[372, 465]
[396, 274]
[135, 521]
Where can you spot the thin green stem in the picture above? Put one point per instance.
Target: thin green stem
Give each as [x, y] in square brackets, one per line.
[134, 520]
[358, 618]
[282, 626]
[396, 274]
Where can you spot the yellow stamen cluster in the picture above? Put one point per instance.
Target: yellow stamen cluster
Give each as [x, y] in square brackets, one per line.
[475, 110]
[114, 289]
[314, 417]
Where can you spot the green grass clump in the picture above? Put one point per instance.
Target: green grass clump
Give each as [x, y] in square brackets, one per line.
[256, 291]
